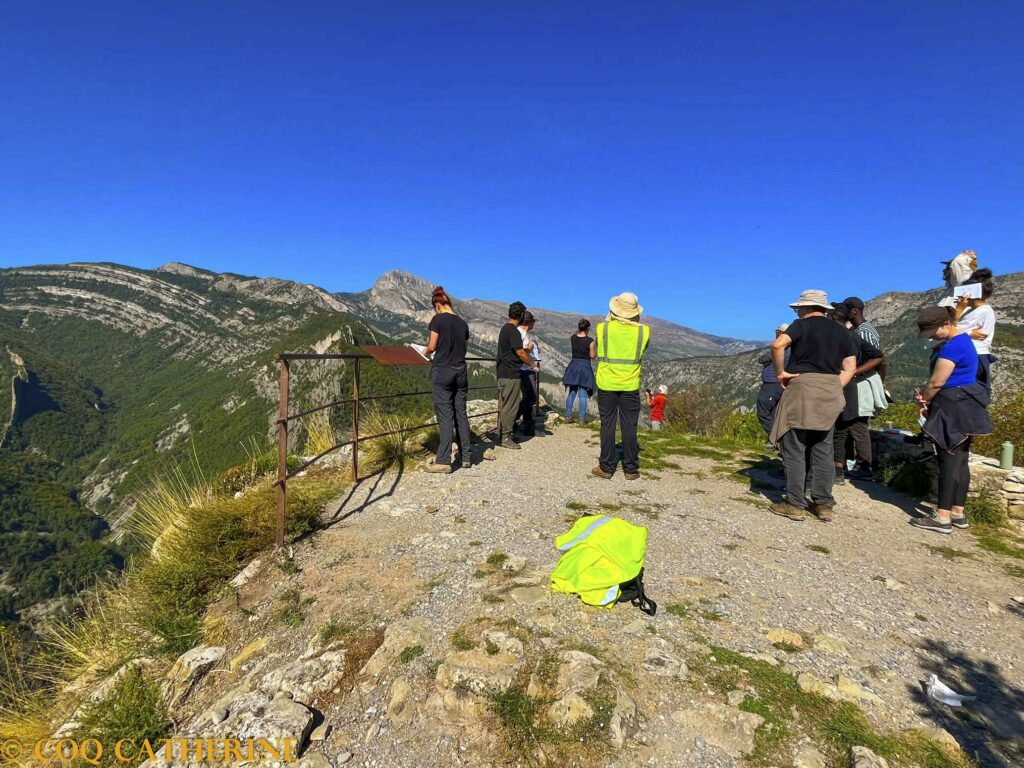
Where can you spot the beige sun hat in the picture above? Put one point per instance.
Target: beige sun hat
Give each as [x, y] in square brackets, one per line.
[625, 305]
[812, 298]
[783, 327]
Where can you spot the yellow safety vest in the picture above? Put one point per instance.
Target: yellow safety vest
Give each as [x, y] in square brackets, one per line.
[620, 348]
[598, 554]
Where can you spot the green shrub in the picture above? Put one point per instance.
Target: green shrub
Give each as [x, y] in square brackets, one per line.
[902, 416]
[134, 709]
[1008, 420]
[696, 410]
[910, 477]
[743, 428]
[985, 510]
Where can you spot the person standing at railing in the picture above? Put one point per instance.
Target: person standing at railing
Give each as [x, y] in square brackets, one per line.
[511, 356]
[578, 378]
[449, 381]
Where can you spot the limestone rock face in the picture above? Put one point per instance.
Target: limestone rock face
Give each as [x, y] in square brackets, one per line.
[625, 720]
[252, 716]
[465, 678]
[578, 673]
[189, 668]
[398, 637]
[304, 679]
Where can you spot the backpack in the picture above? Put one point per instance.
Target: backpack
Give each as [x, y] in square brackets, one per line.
[602, 562]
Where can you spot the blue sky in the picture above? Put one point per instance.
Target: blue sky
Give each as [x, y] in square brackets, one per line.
[715, 158]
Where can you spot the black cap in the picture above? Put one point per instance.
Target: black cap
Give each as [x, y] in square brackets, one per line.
[930, 320]
[853, 302]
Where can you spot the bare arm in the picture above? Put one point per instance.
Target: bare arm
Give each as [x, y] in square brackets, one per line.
[525, 357]
[593, 350]
[848, 371]
[432, 344]
[940, 375]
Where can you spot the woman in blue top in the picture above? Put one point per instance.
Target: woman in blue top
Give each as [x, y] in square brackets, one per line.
[954, 408]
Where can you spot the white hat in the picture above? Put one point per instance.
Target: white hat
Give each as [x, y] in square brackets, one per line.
[663, 389]
[812, 298]
[783, 327]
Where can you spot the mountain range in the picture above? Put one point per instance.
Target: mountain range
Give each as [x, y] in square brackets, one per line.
[112, 376]
[735, 377]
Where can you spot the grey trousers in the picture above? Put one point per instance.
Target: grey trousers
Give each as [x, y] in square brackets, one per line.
[510, 395]
[808, 451]
[449, 387]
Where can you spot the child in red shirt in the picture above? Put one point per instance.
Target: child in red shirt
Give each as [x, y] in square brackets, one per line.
[657, 405]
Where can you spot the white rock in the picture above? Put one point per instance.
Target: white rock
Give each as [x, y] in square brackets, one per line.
[862, 757]
[246, 574]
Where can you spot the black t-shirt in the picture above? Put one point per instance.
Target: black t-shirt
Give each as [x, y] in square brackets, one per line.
[509, 340]
[580, 347]
[452, 335]
[819, 346]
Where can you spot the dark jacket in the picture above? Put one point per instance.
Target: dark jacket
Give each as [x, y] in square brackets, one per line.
[957, 413]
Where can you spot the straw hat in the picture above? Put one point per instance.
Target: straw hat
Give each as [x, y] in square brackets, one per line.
[783, 327]
[625, 305]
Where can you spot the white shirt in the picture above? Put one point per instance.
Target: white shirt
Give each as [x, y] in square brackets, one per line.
[534, 351]
[984, 319]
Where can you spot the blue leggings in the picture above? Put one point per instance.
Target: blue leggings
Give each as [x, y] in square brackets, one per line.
[571, 397]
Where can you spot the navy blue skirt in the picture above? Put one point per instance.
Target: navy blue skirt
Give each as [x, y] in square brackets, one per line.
[579, 374]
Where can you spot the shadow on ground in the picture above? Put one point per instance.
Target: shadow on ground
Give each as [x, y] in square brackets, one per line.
[991, 728]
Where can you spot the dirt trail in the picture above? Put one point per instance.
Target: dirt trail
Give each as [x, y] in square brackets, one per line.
[870, 597]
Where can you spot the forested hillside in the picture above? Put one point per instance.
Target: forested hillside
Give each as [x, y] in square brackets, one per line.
[121, 376]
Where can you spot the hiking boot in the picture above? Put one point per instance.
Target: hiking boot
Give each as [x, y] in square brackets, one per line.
[570, 419]
[785, 509]
[632, 475]
[823, 512]
[598, 472]
[959, 522]
[840, 476]
[508, 441]
[440, 469]
[931, 524]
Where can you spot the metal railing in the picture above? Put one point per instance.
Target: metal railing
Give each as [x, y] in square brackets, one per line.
[283, 475]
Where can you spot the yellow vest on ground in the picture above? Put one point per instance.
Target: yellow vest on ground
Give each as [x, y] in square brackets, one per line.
[620, 348]
[599, 554]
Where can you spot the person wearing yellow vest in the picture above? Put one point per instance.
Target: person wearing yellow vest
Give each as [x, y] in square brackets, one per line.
[621, 342]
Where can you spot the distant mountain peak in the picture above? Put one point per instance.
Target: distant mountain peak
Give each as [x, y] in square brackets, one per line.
[180, 268]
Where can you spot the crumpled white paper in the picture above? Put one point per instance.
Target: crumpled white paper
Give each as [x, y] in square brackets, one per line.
[941, 692]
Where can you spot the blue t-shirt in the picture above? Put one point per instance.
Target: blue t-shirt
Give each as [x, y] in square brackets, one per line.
[960, 350]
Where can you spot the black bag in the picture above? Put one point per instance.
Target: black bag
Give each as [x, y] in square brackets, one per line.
[632, 591]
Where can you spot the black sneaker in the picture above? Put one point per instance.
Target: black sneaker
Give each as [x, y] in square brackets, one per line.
[931, 524]
[959, 522]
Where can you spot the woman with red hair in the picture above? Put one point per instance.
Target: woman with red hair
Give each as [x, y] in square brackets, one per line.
[449, 381]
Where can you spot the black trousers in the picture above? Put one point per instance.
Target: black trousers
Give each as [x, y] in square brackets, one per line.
[954, 475]
[449, 386]
[621, 409]
[861, 434]
[529, 401]
[768, 397]
[808, 452]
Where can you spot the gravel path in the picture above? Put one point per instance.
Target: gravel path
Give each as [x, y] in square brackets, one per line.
[869, 595]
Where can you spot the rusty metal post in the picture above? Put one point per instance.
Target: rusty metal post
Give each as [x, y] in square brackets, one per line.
[355, 422]
[282, 455]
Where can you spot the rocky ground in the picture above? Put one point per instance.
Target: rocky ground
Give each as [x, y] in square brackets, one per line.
[417, 629]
